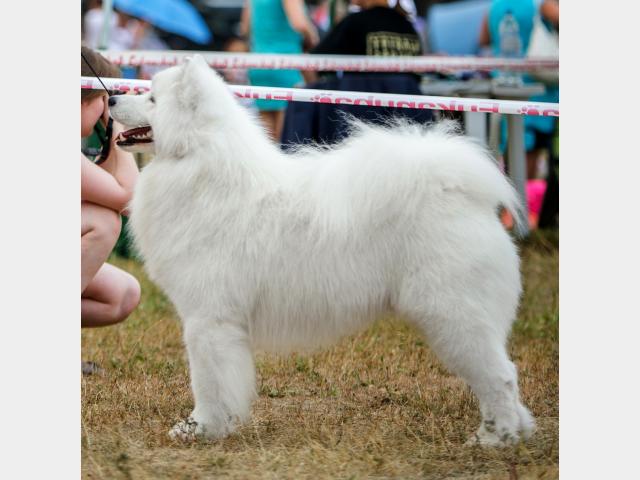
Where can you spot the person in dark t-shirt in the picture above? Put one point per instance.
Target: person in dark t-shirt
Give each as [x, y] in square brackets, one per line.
[382, 28]
[376, 30]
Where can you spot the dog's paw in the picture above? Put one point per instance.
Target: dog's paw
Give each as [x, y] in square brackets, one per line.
[486, 439]
[472, 441]
[491, 435]
[186, 430]
[527, 424]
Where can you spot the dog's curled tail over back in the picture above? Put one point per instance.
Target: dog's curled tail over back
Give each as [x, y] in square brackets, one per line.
[407, 155]
[478, 172]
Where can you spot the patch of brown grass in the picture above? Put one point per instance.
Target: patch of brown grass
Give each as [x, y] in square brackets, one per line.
[377, 405]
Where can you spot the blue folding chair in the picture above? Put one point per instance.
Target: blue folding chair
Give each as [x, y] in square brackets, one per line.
[454, 28]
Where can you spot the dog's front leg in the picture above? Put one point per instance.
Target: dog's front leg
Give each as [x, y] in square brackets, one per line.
[222, 378]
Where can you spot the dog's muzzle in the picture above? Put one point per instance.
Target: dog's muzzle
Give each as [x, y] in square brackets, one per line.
[139, 138]
[135, 136]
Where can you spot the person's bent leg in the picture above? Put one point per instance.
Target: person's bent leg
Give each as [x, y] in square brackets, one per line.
[109, 298]
[100, 231]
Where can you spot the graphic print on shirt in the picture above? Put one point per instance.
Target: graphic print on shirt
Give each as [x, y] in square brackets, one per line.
[392, 44]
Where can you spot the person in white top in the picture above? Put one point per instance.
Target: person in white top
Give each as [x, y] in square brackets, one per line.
[125, 32]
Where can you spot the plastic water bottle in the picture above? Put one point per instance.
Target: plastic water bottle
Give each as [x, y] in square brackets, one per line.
[510, 47]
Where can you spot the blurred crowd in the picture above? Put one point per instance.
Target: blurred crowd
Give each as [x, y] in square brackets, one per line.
[224, 18]
[351, 27]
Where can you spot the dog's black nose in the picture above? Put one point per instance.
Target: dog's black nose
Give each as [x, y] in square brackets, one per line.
[112, 101]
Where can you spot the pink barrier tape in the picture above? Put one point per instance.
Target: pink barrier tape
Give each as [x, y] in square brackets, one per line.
[486, 105]
[350, 63]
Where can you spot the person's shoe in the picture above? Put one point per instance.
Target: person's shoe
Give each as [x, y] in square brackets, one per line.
[90, 368]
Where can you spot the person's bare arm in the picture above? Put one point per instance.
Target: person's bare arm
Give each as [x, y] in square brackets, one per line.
[245, 19]
[111, 183]
[122, 165]
[139, 31]
[100, 187]
[294, 10]
[485, 38]
[309, 76]
[550, 11]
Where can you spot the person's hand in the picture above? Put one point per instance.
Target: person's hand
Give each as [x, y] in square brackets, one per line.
[311, 37]
[125, 212]
[111, 161]
[116, 127]
[105, 111]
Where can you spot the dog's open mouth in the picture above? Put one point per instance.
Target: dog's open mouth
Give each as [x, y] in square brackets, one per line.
[135, 136]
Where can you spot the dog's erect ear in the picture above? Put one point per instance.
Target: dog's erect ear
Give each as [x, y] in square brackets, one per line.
[197, 60]
[194, 89]
[195, 82]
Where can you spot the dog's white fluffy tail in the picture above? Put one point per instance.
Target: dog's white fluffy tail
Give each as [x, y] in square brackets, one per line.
[485, 182]
[438, 154]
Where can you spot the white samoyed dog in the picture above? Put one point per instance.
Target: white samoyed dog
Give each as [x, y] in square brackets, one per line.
[258, 249]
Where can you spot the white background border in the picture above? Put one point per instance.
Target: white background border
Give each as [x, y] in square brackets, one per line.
[40, 246]
[600, 245]
[599, 241]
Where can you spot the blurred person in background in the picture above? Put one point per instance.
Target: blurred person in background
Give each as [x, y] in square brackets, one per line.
[375, 27]
[125, 32]
[238, 76]
[539, 130]
[338, 9]
[320, 15]
[276, 26]
[381, 28]
[108, 294]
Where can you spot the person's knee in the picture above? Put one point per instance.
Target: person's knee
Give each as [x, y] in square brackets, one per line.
[110, 297]
[130, 298]
[126, 301]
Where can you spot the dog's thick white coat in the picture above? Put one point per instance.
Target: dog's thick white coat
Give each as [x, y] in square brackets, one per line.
[262, 250]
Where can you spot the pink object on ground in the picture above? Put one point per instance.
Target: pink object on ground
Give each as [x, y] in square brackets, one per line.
[535, 194]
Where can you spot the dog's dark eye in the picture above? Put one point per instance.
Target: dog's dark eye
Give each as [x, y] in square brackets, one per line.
[151, 99]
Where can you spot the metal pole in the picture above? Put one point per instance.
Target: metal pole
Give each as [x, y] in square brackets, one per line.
[476, 125]
[105, 33]
[517, 161]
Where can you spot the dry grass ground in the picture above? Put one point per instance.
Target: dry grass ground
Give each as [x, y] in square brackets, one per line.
[377, 405]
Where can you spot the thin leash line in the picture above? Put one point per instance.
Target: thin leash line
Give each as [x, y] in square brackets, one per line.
[94, 72]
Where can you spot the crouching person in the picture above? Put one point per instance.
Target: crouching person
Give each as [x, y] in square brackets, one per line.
[108, 294]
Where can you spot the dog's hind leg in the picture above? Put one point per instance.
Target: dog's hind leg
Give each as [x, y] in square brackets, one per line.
[466, 314]
[472, 349]
[222, 379]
